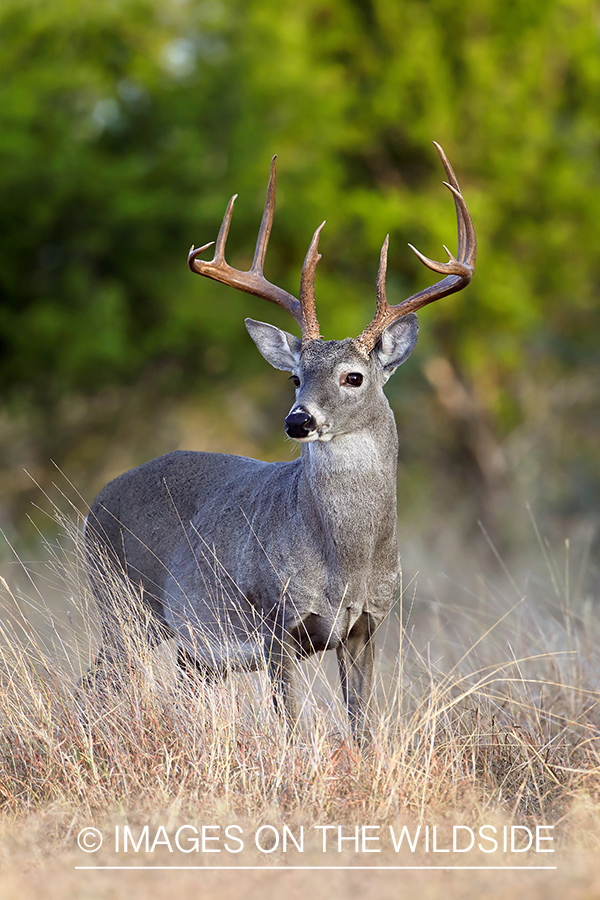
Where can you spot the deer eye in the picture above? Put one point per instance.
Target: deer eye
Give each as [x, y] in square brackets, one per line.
[295, 379]
[354, 378]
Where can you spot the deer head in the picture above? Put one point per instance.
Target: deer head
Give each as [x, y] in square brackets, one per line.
[384, 344]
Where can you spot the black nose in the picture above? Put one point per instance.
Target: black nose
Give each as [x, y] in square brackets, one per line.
[299, 424]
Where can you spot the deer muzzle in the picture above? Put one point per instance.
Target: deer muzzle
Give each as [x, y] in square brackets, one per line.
[300, 424]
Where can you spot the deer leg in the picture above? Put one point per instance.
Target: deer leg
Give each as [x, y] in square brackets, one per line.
[355, 664]
[106, 669]
[281, 649]
[197, 670]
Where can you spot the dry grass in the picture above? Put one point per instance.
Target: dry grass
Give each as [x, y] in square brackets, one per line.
[489, 716]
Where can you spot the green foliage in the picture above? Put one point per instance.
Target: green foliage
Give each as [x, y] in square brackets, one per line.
[126, 125]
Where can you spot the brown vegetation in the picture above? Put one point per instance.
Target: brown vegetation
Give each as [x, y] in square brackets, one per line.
[488, 717]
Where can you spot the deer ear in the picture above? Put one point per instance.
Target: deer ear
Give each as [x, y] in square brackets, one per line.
[397, 343]
[280, 349]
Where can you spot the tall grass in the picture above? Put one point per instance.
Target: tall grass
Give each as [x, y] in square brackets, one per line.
[486, 704]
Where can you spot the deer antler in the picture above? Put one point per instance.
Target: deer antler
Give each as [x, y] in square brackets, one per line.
[253, 281]
[458, 270]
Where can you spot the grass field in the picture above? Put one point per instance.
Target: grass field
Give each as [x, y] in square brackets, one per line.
[485, 731]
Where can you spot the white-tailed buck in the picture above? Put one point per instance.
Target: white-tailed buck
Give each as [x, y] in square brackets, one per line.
[248, 563]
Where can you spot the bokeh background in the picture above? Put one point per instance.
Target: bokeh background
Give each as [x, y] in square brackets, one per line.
[125, 126]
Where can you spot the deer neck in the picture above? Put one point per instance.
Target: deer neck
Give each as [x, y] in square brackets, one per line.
[348, 488]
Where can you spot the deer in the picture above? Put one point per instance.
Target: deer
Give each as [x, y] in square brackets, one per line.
[252, 564]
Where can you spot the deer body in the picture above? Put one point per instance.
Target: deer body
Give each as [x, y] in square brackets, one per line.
[249, 563]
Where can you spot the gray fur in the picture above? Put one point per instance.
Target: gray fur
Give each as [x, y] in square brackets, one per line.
[247, 562]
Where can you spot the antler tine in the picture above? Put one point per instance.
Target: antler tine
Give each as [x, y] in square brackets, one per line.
[454, 183]
[383, 261]
[311, 330]
[224, 232]
[266, 224]
[252, 281]
[458, 270]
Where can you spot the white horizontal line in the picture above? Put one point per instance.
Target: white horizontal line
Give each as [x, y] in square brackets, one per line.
[322, 868]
